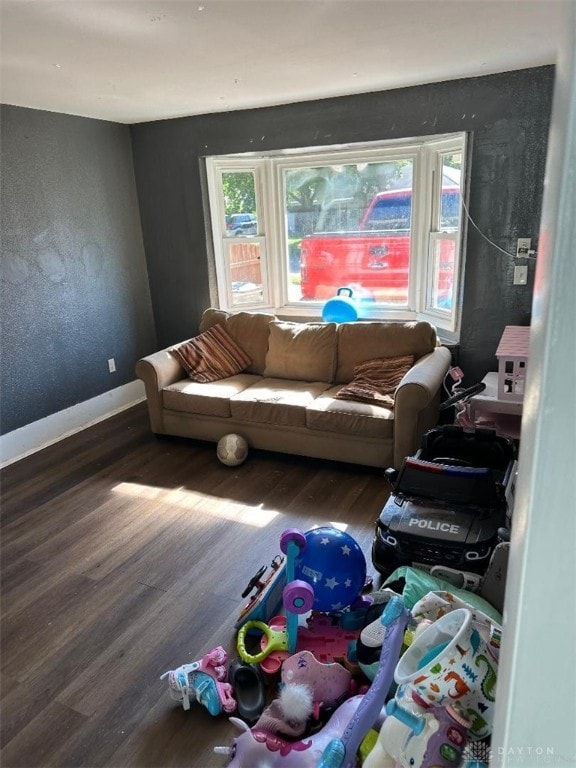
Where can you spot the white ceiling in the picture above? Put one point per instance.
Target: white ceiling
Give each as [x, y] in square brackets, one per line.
[138, 60]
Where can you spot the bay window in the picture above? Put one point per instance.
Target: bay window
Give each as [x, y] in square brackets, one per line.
[289, 229]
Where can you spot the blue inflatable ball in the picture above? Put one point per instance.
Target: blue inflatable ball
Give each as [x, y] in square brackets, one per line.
[333, 563]
[339, 311]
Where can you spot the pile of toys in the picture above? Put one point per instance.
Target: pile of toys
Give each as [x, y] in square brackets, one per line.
[328, 675]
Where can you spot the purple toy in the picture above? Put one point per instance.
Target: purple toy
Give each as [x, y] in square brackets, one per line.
[255, 748]
[341, 753]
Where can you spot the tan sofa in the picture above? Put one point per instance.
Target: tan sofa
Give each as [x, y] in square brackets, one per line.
[284, 400]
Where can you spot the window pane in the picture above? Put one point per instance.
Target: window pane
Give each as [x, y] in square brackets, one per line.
[349, 225]
[359, 217]
[450, 200]
[239, 192]
[246, 280]
[443, 264]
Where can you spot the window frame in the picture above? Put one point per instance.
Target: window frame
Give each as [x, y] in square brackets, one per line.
[269, 169]
[448, 320]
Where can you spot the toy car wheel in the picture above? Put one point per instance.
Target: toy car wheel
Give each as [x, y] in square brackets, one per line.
[295, 535]
[298, 597]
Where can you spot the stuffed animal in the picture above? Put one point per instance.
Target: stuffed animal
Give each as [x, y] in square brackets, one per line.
[259, 748]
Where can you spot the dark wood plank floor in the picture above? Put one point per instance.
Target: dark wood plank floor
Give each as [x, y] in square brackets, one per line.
[124, 555]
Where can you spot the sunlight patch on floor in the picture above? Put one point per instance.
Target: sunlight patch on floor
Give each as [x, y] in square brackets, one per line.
[211, 506]
[138, 490]
[339, 526]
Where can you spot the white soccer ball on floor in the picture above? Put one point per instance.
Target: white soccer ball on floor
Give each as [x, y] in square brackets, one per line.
[232, 450]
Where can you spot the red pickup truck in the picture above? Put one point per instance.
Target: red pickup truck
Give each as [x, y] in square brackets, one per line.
[373, 259]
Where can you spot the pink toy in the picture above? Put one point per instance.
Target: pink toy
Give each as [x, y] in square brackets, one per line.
[255, 748]
[329, 683]
[203, 680]
[512, 354]
[328, 642]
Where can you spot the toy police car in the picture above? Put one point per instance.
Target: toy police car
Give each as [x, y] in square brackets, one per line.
[448, 502]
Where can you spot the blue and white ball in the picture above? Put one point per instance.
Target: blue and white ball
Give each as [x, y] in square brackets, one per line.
[333, 563]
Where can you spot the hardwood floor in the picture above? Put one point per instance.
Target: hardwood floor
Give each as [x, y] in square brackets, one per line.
[123, 556]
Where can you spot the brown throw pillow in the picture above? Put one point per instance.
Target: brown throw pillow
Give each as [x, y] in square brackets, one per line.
[211, 356]
[375, 381]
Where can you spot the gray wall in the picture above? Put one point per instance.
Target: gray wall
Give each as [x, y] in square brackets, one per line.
[507, 116]
[74, 288]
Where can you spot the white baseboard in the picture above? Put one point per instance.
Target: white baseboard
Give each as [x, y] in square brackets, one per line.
[33, 437]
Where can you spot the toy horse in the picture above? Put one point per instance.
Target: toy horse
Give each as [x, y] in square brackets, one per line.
[261, 749]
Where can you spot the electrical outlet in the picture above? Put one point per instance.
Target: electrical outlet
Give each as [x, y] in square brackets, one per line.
[523, 247]
[520, 275]
[111, 365]
[456, 373]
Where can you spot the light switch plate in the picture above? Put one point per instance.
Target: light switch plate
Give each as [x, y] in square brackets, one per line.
[523, 247]
[520, 275]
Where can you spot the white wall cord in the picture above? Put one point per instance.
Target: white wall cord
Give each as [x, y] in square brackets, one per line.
[506, 253]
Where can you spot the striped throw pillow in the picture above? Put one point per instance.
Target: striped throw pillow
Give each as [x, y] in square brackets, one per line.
[211, 356]
[375, 381]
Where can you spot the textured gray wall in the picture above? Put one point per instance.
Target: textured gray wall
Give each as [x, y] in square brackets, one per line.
[74, 288]
[507, 116]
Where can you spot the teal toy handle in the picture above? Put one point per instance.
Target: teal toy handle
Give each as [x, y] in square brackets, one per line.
[413, 722]
[292, 542]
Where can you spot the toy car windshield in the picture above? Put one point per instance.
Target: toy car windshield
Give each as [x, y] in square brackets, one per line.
[470, 486]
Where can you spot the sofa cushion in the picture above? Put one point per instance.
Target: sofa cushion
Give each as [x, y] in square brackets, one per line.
[211, 317]
[375, 381]
[358, 342]
[251, 331]
[329, 414]
[210, 399]
[276, 401]
[301, 351]
[211, 356]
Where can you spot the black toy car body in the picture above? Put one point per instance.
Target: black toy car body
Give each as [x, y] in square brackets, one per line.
[448, 502]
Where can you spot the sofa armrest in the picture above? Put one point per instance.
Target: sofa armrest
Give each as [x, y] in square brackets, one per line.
[417, 402]
[157, 371]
